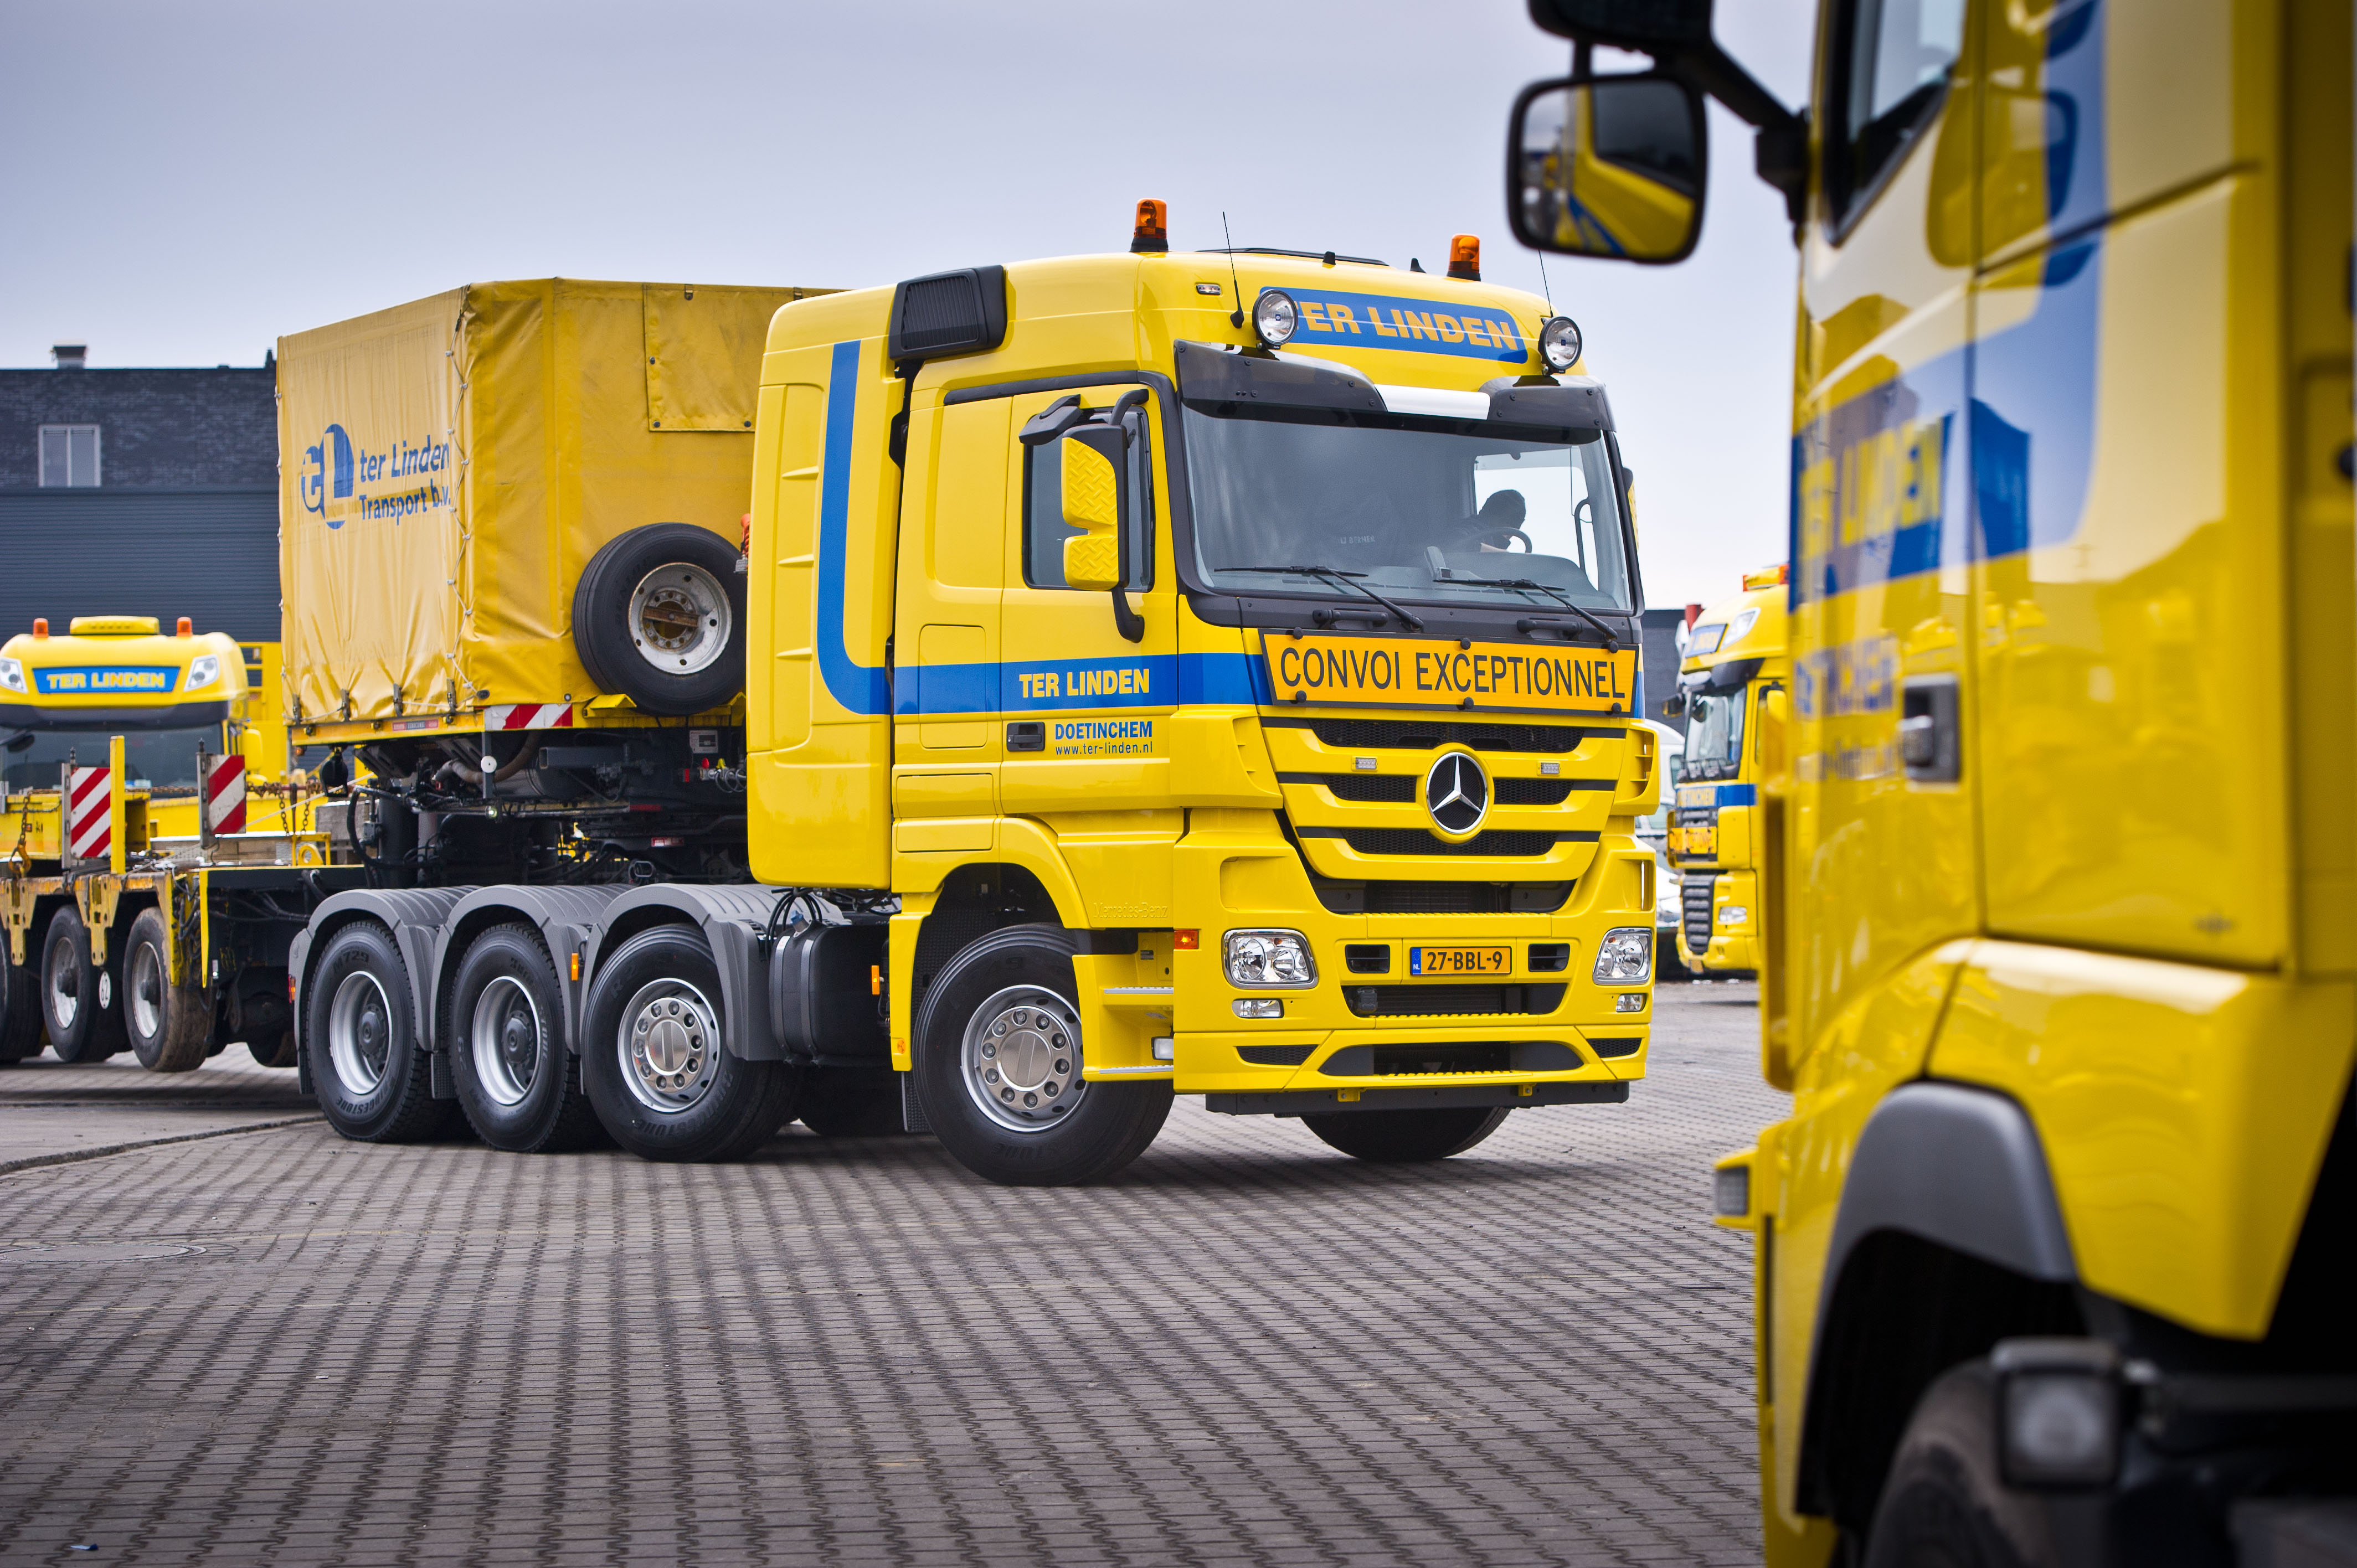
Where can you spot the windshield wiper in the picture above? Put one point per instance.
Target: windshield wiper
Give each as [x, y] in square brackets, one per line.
[1348, 579]
[1611, 638]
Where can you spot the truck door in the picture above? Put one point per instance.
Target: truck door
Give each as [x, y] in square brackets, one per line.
[952, 569]
[1086, 710]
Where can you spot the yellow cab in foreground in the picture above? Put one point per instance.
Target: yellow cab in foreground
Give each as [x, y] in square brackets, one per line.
[2053, 1256]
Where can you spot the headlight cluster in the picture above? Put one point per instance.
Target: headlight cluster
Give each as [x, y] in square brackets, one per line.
[1625, 956]
[203, 671]
[12, 675]
[1269, 958]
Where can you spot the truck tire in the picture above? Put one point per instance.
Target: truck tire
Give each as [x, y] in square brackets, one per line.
[369, 1071]
[851, 1101]
[81, 1003]
[519, 1087]
[170, 1026]
[1404, 1137]
[20, 1012]
[1945, 1504]
[655, 1057]
[999, 1069]
[659, 616]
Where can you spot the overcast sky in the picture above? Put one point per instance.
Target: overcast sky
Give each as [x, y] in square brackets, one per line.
[190, 181]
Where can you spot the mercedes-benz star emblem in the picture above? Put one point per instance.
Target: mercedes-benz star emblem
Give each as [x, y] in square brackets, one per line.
[1456, 793]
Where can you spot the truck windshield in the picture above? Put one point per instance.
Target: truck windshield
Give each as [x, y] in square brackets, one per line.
[1713, 735]
[1439, 510]
[154, 759]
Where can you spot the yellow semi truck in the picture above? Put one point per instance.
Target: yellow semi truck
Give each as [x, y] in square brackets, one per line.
[2052, 1255]
[1141, 674]
[1732, 687]
[147, 775]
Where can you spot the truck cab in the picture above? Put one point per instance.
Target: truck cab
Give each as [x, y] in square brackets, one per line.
[1731, 687]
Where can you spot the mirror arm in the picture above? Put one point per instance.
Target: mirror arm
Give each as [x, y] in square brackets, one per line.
[1780, 150]
[1125, 619]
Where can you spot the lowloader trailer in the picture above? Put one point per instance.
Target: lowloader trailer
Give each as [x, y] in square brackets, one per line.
[1128, 679]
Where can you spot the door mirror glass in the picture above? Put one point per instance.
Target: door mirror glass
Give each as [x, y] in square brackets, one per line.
[1610, 167]
[1094, 470]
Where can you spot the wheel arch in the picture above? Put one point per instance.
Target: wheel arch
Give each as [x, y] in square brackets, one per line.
[412, 916]
[569, 920]
[732, 919]
[1948, 1239]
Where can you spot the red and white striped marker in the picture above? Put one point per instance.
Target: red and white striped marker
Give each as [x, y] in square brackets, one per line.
[529, 715]
[225, 794]
[88, 813]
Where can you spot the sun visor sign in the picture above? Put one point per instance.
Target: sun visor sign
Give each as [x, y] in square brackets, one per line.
[107, 681]
[1418, 326]
[1443, 673]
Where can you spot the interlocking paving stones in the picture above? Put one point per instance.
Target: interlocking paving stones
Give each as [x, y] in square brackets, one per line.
[1248, 1349]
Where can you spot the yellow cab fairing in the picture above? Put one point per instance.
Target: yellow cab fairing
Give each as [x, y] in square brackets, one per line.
[1714, 826]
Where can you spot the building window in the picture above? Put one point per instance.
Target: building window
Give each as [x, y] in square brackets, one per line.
[69, 454]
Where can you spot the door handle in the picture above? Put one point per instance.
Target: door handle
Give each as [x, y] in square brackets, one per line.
[1027, 734]
[1930, 737]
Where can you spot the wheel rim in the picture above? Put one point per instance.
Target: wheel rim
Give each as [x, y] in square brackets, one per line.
[506, 1039]
[670, 1046]
[65, 993]
[680, 619]
[1021, 1058]
[146, 991]
[359, 1032]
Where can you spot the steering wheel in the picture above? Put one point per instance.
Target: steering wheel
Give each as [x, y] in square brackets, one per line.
[1477, 535]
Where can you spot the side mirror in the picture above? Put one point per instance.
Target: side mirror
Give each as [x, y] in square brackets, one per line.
[1610, 167]
[1095, 468]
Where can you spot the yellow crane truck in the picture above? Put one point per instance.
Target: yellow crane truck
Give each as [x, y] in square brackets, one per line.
[1732, 685]
[991, 704]
[2052, 1256]
[146, 778]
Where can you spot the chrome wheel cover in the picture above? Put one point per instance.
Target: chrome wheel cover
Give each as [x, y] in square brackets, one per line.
[65, 992]
[359, 1032]
[505, 1038]
[1021, 1060]
[680, 619]
[147, 992]
[670, 1046]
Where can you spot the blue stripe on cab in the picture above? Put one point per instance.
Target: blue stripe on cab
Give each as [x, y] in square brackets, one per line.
[861, 688]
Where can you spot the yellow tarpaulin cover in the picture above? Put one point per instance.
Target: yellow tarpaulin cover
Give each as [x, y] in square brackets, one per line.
[449, 466]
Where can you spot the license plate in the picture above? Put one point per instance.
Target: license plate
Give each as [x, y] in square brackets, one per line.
[1460, 960]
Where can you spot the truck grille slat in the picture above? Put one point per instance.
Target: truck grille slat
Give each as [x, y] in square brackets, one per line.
[1443, 897]
[1424, 734]
[1417, 842]
[1694, 904]
[1451, 1001]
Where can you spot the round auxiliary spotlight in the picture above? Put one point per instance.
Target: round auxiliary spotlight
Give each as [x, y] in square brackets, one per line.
[1560, 342]
[1275, 316]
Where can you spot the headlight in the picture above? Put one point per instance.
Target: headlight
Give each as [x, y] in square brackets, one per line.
[203, 671]
[1275, 316]
[1625, 956]
[1739, 626]
[1733, 914]
[1560, 342]
[1269, 958]
[12, 674]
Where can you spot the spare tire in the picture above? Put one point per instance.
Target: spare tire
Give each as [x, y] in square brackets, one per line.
[659, 616]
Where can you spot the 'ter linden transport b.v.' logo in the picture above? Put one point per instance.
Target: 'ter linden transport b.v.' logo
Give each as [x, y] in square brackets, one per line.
[335, 470]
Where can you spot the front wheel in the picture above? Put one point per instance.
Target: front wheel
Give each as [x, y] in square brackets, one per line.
[655, 1057]
[171, 1026]
[1945, 1504]
[1405, 1137]
[999, 1058]
[370, 1071]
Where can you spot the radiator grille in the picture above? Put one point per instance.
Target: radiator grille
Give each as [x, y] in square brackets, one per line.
[1449, 1001]
[1415, 840]
[1696, 894]
[1424, 734]
[1443, 897]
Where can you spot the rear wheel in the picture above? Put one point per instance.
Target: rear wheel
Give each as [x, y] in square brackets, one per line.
[518, 1085]
[170, 1026]
[1404, 1137]
[81, 1004]
[659, 615]
[851, 1101]
[20, 1011]
[369, 1071]
[655, 1057]
[1945, 1504]
[999, 1058]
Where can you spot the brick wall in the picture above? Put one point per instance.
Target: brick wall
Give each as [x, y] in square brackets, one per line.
[159, 429]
